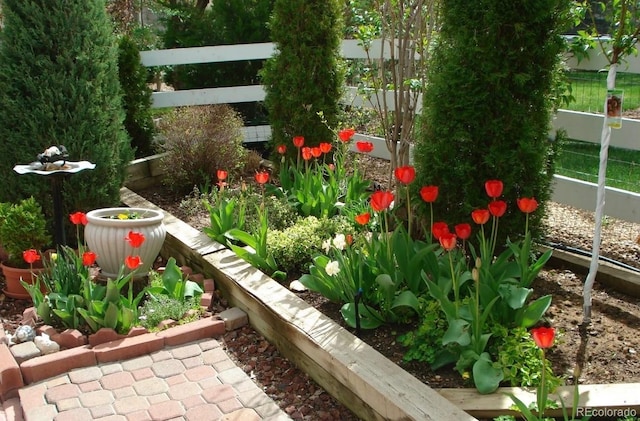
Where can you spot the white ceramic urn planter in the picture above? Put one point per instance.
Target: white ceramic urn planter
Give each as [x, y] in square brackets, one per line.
[105, 235]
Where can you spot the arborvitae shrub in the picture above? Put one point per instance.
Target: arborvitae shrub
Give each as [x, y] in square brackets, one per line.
[487, 108]
[59, 86]
[305, 76]
[199, 141]
[137, 97]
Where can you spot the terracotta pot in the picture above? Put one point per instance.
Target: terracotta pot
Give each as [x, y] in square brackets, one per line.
[106, 238]
[12, 276]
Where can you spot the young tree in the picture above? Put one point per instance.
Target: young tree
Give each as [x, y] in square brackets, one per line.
[393, 86]
[624, 17]
[305, 76]
[59, 86]
[487, 107]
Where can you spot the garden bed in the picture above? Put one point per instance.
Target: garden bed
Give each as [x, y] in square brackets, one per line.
[283, 325]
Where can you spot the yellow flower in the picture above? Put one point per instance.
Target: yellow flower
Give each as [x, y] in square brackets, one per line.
[123, 216]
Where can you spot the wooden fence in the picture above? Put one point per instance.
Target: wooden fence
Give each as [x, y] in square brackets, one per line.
[620, 204]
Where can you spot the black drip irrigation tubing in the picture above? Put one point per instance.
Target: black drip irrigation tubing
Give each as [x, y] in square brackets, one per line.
[587, 253]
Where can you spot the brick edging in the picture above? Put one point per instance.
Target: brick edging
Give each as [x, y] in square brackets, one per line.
[13, 376]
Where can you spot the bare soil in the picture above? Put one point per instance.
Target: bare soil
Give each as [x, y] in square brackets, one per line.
[607, 349]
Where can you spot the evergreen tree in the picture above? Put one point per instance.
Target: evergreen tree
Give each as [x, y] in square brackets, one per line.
[59, 86]
[137, 97]
[305, 76]
[487, 107]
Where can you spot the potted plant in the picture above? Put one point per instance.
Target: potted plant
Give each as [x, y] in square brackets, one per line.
[22, 227]
[107, 227]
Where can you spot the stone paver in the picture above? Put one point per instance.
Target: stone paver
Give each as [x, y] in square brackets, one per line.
[194, 381]
[167, 368]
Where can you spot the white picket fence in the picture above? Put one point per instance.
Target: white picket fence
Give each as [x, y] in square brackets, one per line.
[620, 204]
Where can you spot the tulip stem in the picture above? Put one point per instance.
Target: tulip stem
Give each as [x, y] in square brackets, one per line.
[454, 284]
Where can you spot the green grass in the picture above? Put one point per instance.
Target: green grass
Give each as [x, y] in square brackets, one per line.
[581, 160]
[590, 90]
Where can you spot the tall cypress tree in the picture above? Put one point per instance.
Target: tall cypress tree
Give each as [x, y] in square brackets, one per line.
[59, 86]
[305, 76]
[487, 107]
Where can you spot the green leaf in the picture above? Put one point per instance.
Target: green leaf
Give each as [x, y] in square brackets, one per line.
[528, 415]
[534, 311]
[486, 377]
[515, 296]
[111, 316]
[458, 332]
[315, 281]
[243, 236]
[368, 318]
[407, 299]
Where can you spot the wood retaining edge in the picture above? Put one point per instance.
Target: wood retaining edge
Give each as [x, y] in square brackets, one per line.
[365, 381]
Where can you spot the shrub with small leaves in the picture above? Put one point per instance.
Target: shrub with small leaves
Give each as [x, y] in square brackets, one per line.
[294, 247]
[520, 358]
[199, 141]
[155, 311]
[425, 343]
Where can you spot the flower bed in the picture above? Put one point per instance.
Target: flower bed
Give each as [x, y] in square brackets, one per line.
[310, 339]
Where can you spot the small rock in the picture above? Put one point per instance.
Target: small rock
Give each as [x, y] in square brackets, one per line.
[632, 351]
[24, 333]
[296, 286]
[46, 345]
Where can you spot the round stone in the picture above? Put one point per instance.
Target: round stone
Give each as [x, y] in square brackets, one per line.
[25, 333]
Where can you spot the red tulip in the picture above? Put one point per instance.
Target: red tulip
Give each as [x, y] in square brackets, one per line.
[262, 177]
[463, 231]
[381, 200]
[527, 205]
[448, 241]
[363, 218]
[429, 193]
[405, 174]
[346, 134]
[316, 152]
[493, 188]
[306, 153]
[498, 208]
[364, 147]
[135, 239]
[480, 216]
[222, 174]
[88, 258]
[543, 336]
[282, 149]
[438, 229]
[298, 141]
[133, 262]
[78, 218]
[30, 256]
[325, 147]
[349, 239]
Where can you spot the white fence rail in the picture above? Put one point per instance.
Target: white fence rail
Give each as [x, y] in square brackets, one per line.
[620, 204]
